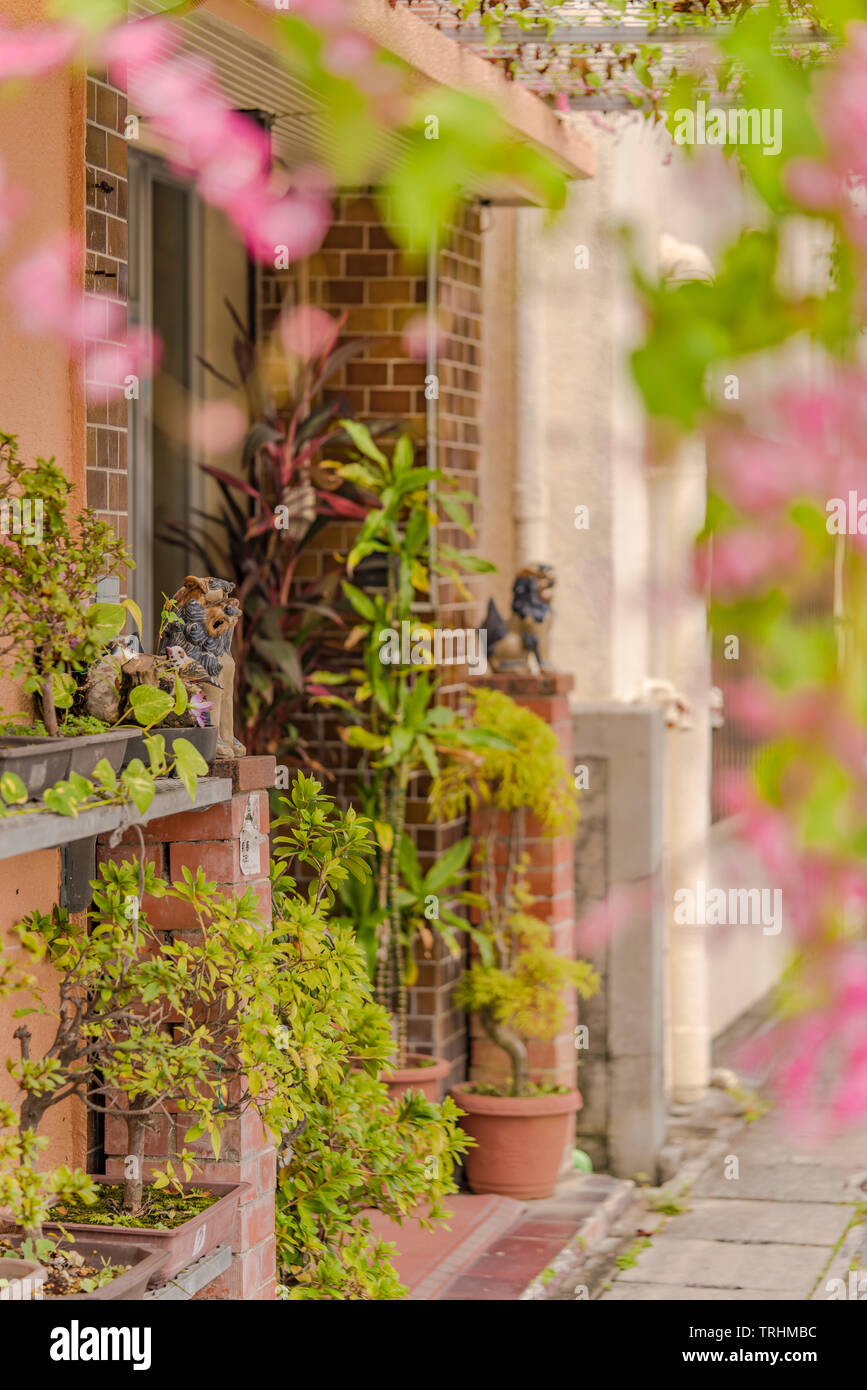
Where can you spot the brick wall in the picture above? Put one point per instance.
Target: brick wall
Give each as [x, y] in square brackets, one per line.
[106, 283]
[211, 838]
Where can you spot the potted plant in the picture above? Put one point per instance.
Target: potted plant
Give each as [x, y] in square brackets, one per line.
[33, 1266]
[516, 987]
[268, 514]
[50, 624]
[148, 1028]
[393, 719]
[354, 1149]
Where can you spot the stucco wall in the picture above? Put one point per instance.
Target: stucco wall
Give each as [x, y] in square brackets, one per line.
[42, 150]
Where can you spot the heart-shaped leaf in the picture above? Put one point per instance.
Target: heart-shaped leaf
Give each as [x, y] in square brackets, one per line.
[150, 705]
[189, 764]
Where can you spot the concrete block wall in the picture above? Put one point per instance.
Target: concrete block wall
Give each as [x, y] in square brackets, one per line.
[618, 852]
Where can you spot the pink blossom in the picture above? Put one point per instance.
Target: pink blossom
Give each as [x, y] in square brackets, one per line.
[746, 559]
[293, 226]
[414, 337]
[37, 49]
[111, 365]
[813, 184]
[216, 426]
[307, 331]
[139, 42]
[348, 52]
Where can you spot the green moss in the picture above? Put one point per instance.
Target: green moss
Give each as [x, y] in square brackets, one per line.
[161, 1210]
[73, 727]
[486, 1088]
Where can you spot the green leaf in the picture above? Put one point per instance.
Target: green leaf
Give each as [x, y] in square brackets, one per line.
[189, 765]
[104, 621]
[156, 746]
[448, 867]
[139, 783]
[12, 789]
[105, 775]
[363, 605]
[150, 705]
[63, 687]
[132, 607]
[182, 699]
[363, 441]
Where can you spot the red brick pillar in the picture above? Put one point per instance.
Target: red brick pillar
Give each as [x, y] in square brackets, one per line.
[550, 877]
[212, 838]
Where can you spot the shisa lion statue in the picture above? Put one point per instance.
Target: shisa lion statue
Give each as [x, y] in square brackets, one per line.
[521, 642]
[200, 631]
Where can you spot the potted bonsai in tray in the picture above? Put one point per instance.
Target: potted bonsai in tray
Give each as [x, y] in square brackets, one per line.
[50, 626]
[150, 1030]
[35, 1266]
[517, 985]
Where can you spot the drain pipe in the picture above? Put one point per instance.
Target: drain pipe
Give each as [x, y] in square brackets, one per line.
[679, 654]
[531, 478]
[432, 391]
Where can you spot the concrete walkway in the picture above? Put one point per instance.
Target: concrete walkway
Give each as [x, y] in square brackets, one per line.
[763, 1221]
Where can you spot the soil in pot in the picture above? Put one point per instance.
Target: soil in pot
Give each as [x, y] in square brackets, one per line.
[520, 1140]
[91, 1268]
[421, 1073]
[167, 1224]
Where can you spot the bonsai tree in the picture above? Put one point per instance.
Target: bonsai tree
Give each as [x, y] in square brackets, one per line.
[517, 990]
[353, 1152]
[48, 578]
[26, 1194]
[145, 1025]
[517, 985]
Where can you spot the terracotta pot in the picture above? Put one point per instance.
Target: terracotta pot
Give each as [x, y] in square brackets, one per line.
[179, 1247]
[144, 1266]
[417, 1077]
[520, 1141]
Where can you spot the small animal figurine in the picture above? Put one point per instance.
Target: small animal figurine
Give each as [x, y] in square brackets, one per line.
[204, 616]
[520, 644]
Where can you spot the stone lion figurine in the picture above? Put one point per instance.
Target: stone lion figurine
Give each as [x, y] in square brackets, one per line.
[200, 629]
[520, 643]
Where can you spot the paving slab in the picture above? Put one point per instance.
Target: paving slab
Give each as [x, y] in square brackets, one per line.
[722, 1264]
[671, 1293]
[776, 1182]
[794, 1223]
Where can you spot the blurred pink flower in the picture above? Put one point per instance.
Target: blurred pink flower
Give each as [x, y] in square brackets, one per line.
[306, 331]
[216, 426]
[746, 560]
[813, 184]
[349, 51]
[37, 49]
[414, 337]
[111, 366]
[289, 227]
